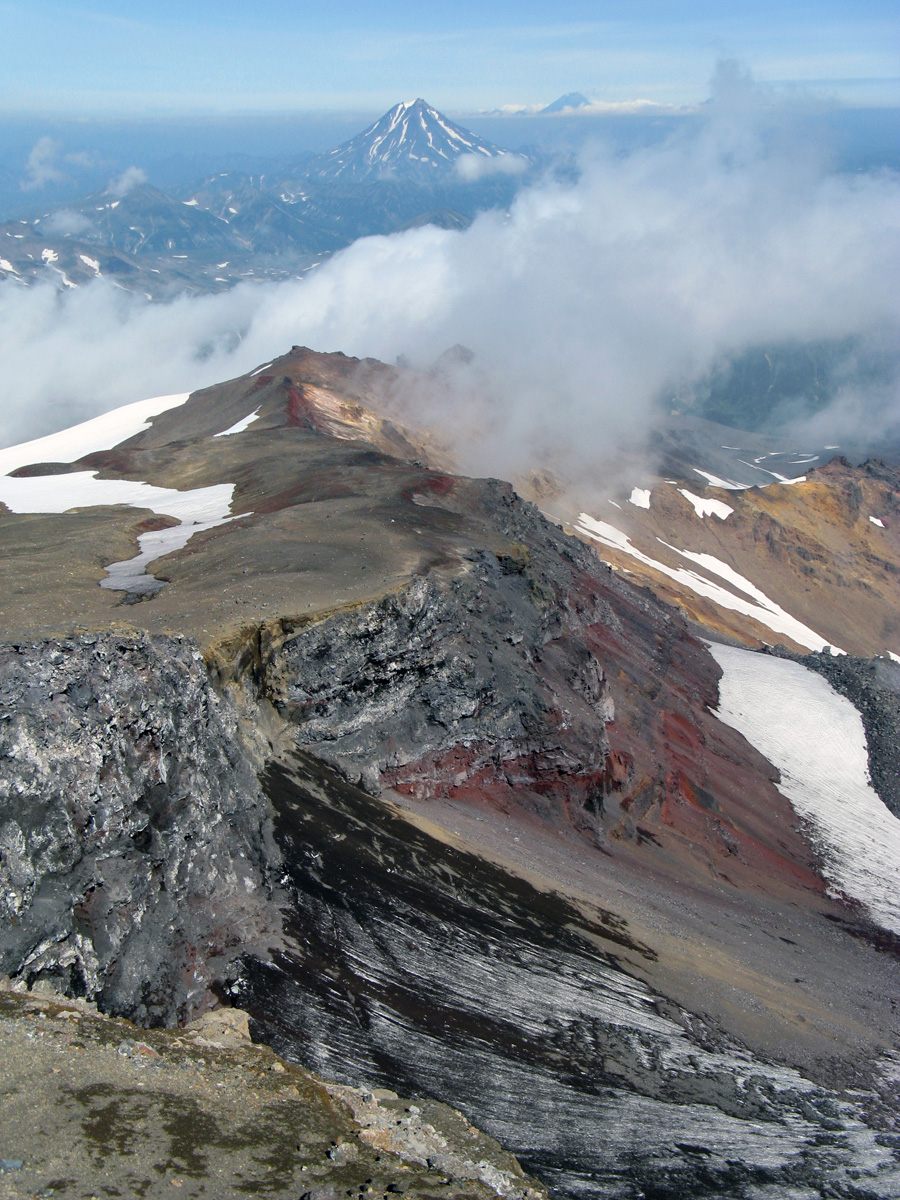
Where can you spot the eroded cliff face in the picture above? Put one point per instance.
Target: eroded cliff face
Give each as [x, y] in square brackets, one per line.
[136, 851]
[534, 679]
[480, 682]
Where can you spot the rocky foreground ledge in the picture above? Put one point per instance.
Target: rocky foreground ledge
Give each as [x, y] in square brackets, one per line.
[204, 1112]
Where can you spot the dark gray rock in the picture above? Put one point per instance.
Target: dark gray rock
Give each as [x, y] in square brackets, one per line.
[136, 857]
[470, 667]
[482, 677]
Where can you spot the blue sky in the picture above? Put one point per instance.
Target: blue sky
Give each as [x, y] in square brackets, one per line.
[219, 55]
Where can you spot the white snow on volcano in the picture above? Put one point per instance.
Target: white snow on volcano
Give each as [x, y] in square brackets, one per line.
[816, 739]
[100, 433]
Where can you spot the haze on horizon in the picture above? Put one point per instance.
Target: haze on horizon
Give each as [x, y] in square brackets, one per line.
[724, 233]
[106, 58]
[583, 303]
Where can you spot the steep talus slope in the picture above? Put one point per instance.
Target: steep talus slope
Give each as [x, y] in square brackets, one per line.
[418, 962]
[825, 550]
[526, 868]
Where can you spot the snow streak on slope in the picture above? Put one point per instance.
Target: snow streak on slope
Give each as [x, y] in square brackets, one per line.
[130, 575]
[412, 140]
[239, 426]
[760, 607]
[100, 433]
[815, 737]
[195, 510]
[707, 508]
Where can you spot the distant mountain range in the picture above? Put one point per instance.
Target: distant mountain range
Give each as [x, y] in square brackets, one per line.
[413, 166]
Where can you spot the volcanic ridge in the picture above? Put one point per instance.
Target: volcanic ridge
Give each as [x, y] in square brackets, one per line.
[451, 807]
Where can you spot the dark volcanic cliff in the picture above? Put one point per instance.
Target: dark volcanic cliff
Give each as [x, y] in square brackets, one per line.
[136, 851]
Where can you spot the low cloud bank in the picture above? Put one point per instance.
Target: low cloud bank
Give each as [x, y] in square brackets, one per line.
[583, 304]
[472, 167]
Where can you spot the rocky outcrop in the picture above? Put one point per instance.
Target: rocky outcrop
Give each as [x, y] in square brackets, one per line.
[216, 1115]
[136, 857]
[482, 681]
[536, 680]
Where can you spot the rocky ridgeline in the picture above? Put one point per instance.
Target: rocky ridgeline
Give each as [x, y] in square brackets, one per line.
[476, 680]
[137, 847]
[448, 684]
[136, 855]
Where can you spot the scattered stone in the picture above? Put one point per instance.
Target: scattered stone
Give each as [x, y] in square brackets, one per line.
[221, 1027]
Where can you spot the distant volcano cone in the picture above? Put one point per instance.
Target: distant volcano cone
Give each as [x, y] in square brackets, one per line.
[413, 141]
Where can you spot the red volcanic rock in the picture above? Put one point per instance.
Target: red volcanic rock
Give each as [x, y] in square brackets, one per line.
[540, 683]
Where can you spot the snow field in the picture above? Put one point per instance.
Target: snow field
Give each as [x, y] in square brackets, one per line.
[196, 510]
[100, 433]
[815, 738]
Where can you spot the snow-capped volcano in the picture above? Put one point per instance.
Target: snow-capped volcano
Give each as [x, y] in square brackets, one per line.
[411, 141]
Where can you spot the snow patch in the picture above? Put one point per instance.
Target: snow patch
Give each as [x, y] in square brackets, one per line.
[130, 575]
[239, 426]
[100, 433]
[707, 508]
[83, 489]
[722, 483]
[93, 263]
[196, 510]
[259, 370]
[640, 497]
[816, 740]
[6, 265]
[875, 521]
[49, 256]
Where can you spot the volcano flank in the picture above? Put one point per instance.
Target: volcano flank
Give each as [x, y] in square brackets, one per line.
[390, 760]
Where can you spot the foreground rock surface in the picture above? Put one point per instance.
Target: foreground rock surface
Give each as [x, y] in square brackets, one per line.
[136, 854]
[206, 1113]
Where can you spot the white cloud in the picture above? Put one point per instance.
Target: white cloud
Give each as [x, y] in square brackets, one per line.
[67, 223]
[581, 303]
[472, 167]
[42, 165]
[130, 178]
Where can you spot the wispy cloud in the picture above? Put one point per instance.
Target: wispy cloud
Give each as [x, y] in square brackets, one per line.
[582, 304]
[43, 165]
[130, 178]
